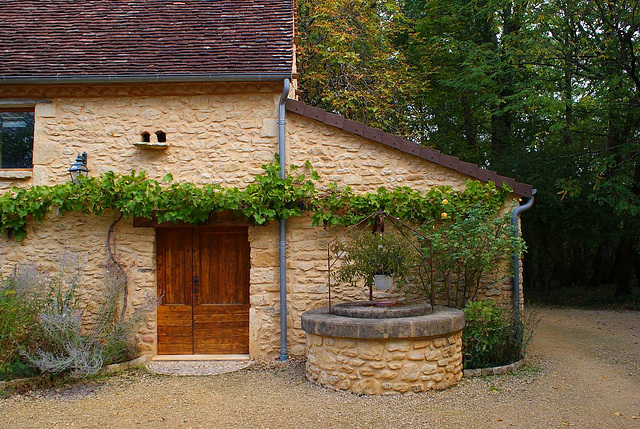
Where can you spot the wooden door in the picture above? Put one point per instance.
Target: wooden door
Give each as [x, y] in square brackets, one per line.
[203, 280]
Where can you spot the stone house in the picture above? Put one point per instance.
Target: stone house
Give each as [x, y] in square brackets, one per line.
[205, 91]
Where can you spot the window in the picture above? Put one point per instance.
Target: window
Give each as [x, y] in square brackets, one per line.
[16, 138]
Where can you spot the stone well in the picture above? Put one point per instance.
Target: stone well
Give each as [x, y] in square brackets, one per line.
[384, 351]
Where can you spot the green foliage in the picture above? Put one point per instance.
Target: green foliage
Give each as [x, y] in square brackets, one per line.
[268, 198]
[369, 254]
[349, 62]
[489, 336]
[468, 244]
[544, 91]
[345, 207]
[20, 304]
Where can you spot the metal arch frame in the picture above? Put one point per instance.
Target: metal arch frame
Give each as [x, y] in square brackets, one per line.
[396, 221]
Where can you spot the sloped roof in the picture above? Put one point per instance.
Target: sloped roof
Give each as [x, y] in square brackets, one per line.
[397, 142]
[76, 38]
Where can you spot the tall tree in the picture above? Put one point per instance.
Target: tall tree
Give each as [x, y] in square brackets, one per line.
[350, 64]
[547, 91]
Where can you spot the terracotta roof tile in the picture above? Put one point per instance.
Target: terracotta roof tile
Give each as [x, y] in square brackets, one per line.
[41, 38]
[397, 142]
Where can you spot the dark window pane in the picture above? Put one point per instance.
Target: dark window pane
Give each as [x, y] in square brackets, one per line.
[16, 139]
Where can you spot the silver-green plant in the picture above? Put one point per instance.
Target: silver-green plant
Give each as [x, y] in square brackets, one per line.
[20, 304]
[68, 340]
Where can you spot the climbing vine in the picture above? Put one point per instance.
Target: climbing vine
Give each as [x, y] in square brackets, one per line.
[268, 198]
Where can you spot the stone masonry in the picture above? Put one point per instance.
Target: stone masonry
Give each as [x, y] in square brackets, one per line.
[385, 367]
[216, 133]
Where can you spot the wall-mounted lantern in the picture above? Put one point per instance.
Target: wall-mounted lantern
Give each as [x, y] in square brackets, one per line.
[79, 167]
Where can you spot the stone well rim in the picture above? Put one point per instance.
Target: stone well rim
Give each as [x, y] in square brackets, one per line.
[368, 310]
[442, 321]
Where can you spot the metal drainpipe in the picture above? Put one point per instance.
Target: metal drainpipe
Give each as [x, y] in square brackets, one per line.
[516, 258]
[284, 353]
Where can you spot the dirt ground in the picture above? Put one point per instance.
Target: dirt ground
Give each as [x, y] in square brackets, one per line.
[583, 371]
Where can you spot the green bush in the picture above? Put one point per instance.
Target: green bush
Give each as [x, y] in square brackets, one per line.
[490, 338]
[467, 245]
[369, 254]
[20, 303]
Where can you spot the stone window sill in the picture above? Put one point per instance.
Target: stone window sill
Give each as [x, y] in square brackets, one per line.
[147, 145]
[15, 174]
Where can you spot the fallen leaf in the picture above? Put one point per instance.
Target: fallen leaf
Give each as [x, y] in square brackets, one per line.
[566, 424]
[617, 413]
[634, 417]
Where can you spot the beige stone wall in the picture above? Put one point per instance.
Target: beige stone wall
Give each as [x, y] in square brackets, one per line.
[216, 133]
[84, 237]
[364, 165]
[385, 366]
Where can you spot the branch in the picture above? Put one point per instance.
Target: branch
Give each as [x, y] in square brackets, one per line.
[113, 263]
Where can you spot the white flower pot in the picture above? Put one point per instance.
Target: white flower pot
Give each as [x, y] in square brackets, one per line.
[383, 282]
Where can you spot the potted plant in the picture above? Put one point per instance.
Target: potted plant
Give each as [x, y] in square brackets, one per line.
[380, 259]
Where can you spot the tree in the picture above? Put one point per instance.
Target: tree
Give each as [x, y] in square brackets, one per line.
[349, 63]
[547, 91]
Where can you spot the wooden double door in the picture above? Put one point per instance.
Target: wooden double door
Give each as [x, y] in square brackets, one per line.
[203, 284]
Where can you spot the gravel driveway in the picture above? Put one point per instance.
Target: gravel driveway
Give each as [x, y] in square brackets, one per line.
[584, 372]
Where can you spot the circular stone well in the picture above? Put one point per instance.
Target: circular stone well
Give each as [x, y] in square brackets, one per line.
[386, 352]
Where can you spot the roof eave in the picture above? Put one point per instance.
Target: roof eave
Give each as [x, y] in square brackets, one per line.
[145, 78]
[398, 143]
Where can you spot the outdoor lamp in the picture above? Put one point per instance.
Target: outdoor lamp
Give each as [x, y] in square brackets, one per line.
[79, 167]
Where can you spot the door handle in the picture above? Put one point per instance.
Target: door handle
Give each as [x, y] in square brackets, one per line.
[196, 283]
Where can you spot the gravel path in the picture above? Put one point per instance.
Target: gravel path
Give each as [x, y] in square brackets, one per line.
[584, 372]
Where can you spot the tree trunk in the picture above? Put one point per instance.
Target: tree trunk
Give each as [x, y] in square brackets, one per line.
[626, 265]
[599, 265]
[469, 129]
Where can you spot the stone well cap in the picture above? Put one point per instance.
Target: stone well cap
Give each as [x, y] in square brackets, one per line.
[441, 322]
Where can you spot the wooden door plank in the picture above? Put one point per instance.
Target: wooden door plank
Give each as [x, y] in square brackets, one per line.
[221, 320]
[175, 315]
[174, 278]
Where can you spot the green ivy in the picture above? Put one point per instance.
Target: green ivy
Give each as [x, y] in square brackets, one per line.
[268, 198]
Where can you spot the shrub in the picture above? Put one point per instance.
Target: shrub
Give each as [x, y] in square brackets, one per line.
[369, 254]
[20, 303]
[66, 340]
[468, 245]
[490, 338]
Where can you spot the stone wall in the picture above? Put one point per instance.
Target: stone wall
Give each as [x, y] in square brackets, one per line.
[364, 165]
[385, 367]
[216, 133]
